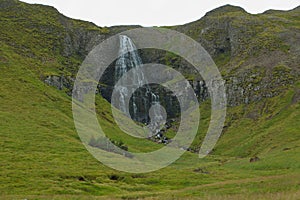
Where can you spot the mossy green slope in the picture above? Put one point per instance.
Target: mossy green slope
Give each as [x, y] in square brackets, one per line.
[42, 156]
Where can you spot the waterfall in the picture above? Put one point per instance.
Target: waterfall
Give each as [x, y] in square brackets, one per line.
[125, 62]
[145, 98]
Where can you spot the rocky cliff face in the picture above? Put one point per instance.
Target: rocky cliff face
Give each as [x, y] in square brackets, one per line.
[258, 55]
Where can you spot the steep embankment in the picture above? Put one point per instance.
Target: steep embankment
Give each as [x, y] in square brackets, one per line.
[41, 153]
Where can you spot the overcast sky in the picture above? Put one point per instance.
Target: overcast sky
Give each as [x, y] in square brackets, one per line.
[154, 12]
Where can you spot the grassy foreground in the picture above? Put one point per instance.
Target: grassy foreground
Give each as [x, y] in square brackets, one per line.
[43, 158]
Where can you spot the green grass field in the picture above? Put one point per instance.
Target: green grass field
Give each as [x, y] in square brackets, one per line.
[43, 156]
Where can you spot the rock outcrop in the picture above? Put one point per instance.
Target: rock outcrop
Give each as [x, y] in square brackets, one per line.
[258, 55]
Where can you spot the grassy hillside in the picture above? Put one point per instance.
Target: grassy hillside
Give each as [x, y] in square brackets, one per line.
[42, 156]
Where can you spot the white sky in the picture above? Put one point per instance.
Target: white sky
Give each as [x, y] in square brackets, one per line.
[154, 12]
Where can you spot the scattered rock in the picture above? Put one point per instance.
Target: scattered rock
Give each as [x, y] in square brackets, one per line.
[115, 177]
[254, 159]
[200, 170]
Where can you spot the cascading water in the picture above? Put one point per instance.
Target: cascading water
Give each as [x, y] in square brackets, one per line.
[128, 59]
[143, 100]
